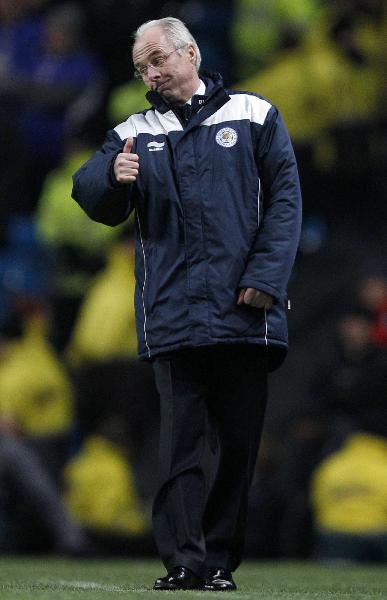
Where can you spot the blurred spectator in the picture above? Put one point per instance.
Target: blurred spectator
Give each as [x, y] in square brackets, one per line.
[373, 297]
[347, 393]
[105, 328]
[349, 501]
[333, 76]
[76, 245]
[262, 29]
[35, 391]
[32, 514]
[330, 89]
[19, 41]
[24, 267]
[55, 91]
[101, 491]
[19, 45]
[351, 389]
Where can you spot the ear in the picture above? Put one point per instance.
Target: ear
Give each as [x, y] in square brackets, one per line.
[192, 54]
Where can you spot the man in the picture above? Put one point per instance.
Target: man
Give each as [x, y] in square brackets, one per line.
[212, 177]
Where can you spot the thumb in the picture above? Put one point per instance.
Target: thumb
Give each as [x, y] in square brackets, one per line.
[128, 145]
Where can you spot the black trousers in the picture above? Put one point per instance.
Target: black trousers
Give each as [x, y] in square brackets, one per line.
[225, 386]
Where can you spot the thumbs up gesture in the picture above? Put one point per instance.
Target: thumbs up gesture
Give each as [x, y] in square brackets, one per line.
[126, 165]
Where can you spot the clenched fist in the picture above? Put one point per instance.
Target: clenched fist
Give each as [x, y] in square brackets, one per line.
[255, 298]
[126, 165]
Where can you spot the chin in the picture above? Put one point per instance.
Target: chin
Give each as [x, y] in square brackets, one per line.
[168, 94]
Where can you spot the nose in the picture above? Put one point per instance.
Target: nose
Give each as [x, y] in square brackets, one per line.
[153, 74]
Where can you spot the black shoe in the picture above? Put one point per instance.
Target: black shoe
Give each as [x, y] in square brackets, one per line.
[180, 578]
[219, 580]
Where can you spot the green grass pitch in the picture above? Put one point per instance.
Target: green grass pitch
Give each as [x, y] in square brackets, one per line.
[61, 579]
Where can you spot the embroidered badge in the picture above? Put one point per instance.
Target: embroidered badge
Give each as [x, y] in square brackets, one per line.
[227, 137]
[155, 146]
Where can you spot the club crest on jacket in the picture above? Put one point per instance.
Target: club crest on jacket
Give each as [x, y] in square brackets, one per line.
[227, 137]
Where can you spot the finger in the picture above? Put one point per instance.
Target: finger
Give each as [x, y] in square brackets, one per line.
[125, 175]
[240, 297]
[249, 296]
[258, 303]
[128, 145]
[124, 158]
[126, 164]
[126, 178]
[128, 172]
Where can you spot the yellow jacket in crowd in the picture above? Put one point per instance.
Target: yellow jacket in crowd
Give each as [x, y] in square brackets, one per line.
[316, 86]
[259, 28]
[349, 488]
[101, 491]
[105, 328]
[35, 391]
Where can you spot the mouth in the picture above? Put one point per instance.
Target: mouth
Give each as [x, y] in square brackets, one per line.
[158, 87]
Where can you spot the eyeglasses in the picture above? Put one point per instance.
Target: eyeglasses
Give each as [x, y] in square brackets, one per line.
[157, 62]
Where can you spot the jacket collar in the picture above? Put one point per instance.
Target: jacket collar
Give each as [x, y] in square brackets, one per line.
[214, 89]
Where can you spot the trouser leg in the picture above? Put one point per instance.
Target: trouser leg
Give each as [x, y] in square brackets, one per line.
[237, 412]
[179, 503]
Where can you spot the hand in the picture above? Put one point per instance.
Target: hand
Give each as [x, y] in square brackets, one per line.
[126, 165]
[255, 298]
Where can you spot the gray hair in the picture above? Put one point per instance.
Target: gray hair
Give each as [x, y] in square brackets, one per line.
[175, 31]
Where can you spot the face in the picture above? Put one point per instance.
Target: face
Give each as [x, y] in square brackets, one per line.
[373, 292]
[177, 80]
[355, 332]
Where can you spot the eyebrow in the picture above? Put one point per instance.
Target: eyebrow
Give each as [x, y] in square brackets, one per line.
[152, 53]
[150, 56]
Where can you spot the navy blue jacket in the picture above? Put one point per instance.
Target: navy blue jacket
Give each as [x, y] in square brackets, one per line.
[218, 208]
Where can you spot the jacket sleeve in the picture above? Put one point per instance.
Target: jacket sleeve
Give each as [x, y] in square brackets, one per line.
[96, 190]
[272, 256]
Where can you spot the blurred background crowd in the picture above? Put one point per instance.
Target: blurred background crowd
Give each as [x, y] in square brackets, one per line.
[78, 412]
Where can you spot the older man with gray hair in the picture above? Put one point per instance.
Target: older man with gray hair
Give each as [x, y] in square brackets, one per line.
[212, 178]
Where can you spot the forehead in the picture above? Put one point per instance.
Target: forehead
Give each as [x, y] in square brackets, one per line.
[151, 41]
